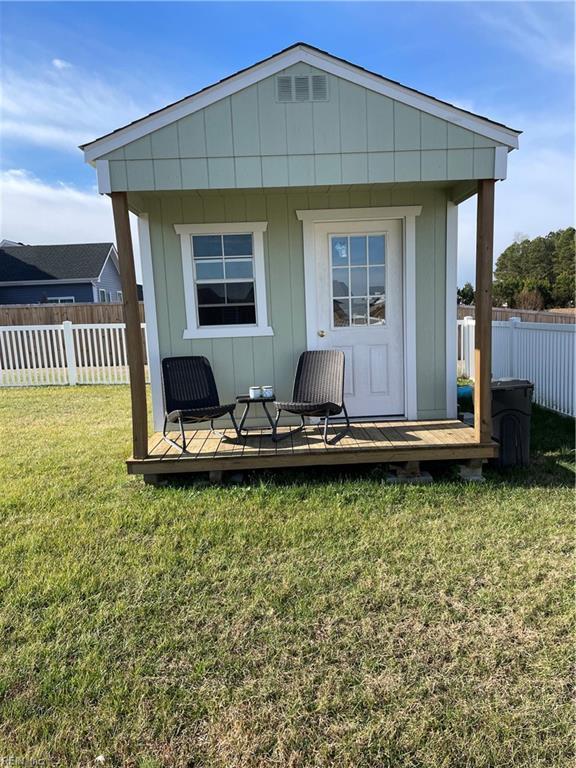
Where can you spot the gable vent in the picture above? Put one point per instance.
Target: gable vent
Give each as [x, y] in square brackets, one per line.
[319, 88]
[302, 88]
[284, 85]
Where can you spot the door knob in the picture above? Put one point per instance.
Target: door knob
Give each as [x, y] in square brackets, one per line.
[321, 334]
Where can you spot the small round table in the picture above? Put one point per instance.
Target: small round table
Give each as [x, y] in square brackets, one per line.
[247, 401]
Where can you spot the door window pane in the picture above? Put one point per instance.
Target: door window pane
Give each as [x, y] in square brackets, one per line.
[377, 280]
[377, 311]
[358, 250]
[339, 251]
[359, 311]
[376, 249]
[341, 312]
[358, 271]
[209, 270]
[340, 282]
[358, 281]
[206, 246]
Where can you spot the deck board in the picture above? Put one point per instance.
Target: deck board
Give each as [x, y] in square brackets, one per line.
[367, 442]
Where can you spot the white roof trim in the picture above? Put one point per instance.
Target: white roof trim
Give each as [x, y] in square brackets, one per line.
[111, 254]
[281, 61]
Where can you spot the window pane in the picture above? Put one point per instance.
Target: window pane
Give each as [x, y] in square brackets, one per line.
[205, 246]
[340, 286]
[339, 251]
[377, 280]
[358, 250]
[377, 311]
[376, 249]
[210, 293]
[243, 315]
[359, 281]
[359, 311]
[238, 245]
[240, 293]
[341, 313]
[238, 269]
[209, 270]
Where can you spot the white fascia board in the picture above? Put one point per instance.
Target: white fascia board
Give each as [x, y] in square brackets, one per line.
[274, 65]
[500, 162]
[103, 176]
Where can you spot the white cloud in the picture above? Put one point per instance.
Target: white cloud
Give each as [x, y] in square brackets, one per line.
[36, 213]
[542, 32]
[61, 64]
[62, 107]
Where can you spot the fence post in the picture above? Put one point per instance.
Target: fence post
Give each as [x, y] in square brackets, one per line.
[70, 352]
[513, 347]
[468, 345]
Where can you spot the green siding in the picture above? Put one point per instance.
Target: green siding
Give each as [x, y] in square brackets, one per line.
[249, 140]
[271, 360]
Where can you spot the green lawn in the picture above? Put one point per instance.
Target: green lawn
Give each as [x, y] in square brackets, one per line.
[319, 619]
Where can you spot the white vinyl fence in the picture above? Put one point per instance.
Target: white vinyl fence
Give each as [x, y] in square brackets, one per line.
[543, 353]
[77, 353]
[70, 353]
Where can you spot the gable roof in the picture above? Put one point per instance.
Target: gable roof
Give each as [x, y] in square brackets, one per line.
[316, 57]
[39, 263]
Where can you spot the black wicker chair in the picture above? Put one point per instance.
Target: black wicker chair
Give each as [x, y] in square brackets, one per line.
[318, 391]
[190, 396]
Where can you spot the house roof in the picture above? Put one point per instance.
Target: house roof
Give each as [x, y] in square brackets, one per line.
[27, 263]
[298, 52]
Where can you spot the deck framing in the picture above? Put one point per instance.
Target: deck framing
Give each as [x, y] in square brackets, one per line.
[366, 443]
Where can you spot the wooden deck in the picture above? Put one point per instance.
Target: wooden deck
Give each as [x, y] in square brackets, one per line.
[366, 443]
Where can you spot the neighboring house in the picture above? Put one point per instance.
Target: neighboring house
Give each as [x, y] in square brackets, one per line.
[307, 203]
[38, 274]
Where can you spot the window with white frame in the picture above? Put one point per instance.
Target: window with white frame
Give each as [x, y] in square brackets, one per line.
[119, 296]
[224, 279]
[61, 300]
[103, 295]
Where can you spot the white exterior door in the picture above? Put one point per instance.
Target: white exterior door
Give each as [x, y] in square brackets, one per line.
[359, 309]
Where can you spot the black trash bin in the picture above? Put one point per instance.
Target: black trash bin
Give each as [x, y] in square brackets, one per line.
[511, 415]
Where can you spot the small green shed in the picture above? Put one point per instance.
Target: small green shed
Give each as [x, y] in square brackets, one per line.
[307, 203]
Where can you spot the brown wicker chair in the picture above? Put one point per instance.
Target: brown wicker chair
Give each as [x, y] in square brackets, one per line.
[191, 396]
[318, 391]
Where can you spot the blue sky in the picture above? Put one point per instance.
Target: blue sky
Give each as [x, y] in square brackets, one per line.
[73, 71]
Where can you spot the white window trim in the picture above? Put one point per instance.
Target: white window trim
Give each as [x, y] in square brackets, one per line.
[407, 214]
[100, 299]
[119, 296]
[193, 330]
[61, 300]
